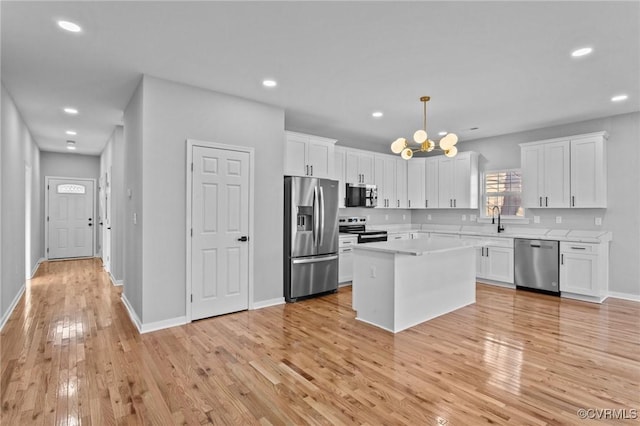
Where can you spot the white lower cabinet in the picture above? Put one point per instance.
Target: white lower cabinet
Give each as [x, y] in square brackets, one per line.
[345, 258]
[584, 270]
[494, 258]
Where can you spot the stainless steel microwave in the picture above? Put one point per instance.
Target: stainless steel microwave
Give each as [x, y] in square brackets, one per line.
[361, 195]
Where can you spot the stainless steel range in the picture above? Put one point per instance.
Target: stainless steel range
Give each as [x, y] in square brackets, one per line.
[358, 225]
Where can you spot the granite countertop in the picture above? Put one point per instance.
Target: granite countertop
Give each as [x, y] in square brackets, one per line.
[417, 247]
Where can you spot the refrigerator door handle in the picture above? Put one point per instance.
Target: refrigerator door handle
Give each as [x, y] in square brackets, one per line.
[321, 220]
[316, 216]
[314, 260]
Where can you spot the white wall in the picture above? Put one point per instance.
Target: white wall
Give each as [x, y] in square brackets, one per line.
[132, 184]
[622, 216]
[112, 160]
[171, 114]
[17, 149]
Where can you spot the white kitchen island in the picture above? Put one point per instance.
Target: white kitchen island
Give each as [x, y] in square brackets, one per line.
[398, 284]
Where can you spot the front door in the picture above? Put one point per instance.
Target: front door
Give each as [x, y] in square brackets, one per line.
[70, 218]
[220, 222]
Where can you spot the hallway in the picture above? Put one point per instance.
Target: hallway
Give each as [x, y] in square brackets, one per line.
[71, 355]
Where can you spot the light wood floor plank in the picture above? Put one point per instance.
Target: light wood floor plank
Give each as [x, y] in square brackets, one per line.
[70, 355]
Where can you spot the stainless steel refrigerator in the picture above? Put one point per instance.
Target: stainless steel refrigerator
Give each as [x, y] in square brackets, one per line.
[310, 236]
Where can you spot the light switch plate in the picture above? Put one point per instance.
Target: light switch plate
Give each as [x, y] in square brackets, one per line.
[373, 272]
[404, 217]
[428, 217]
[473, 218]
[598, 221]
[464, 217]
[386, 217]
[558, 219]
[536, 219]
[135, 218]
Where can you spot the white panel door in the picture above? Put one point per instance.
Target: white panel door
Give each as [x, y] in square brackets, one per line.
[70, 222]
[220, 220]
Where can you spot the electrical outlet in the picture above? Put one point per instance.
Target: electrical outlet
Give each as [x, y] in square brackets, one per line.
[368, 218]
[386, 217]
[373, 272]
[558, 219]
[536, 219]
[428, 217]
[464, 218]
[404, 217]
[598, 221]
[135, 218]
[473, 218]
[129, 193]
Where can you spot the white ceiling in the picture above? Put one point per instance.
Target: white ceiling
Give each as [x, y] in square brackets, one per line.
[499, 66]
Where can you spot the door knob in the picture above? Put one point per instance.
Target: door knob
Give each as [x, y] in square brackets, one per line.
[243, 238]
[90, 224]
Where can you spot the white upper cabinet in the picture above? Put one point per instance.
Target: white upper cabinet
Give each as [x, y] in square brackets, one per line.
[401, 184]
[307, 155]
[415, 183]
[359, 167]
[431, 183]
[385, 180]
[588, 172]
[339, 173]
[458, 181]
[562, 173]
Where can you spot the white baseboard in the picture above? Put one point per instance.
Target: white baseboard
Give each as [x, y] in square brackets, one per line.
[115, 282]
[266, 303]
[36, 266]
[495, 283]
[132, 314]
[12, 307]
[625, 296]
[160, 325]
[153, 326]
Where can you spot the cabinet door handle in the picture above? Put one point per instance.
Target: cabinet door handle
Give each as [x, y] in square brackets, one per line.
[487, 251]
[578, 248]
[482, 251]
[398, 202]
[546, 201]
[573, 201]
[455, 203]
[306, 170]
[540, 204]
[562, 259]
[311, 170]
[409, 203]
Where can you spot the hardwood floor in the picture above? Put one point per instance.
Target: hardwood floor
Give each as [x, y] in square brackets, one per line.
[70, 355]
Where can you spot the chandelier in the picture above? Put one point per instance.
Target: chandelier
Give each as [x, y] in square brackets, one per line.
[446, 144]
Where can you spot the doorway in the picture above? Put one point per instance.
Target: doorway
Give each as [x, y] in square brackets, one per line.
[69, 224]
[219, 225]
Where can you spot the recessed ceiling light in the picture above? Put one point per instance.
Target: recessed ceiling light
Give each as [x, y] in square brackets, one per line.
[581, 52]
[69, 26]
[269, 83]
[377, 114]
[71, 132]
[619, 98]
[442, 133]
[69, 110]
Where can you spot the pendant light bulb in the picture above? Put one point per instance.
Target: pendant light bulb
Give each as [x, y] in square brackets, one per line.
[451, 152]
[420, 136]
[398, 145]
[407, 153]
[446, 142]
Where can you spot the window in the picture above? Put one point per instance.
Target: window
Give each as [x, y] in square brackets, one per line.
[70, 188]
[503, 188]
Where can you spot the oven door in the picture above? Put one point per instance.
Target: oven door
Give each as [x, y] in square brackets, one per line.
[372, 238]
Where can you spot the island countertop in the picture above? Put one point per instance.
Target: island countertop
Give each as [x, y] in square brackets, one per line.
[417, 247]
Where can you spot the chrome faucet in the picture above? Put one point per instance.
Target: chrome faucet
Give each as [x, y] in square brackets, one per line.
[493, 218]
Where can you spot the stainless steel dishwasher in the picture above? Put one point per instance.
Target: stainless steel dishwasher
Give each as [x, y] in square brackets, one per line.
[537, 265]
